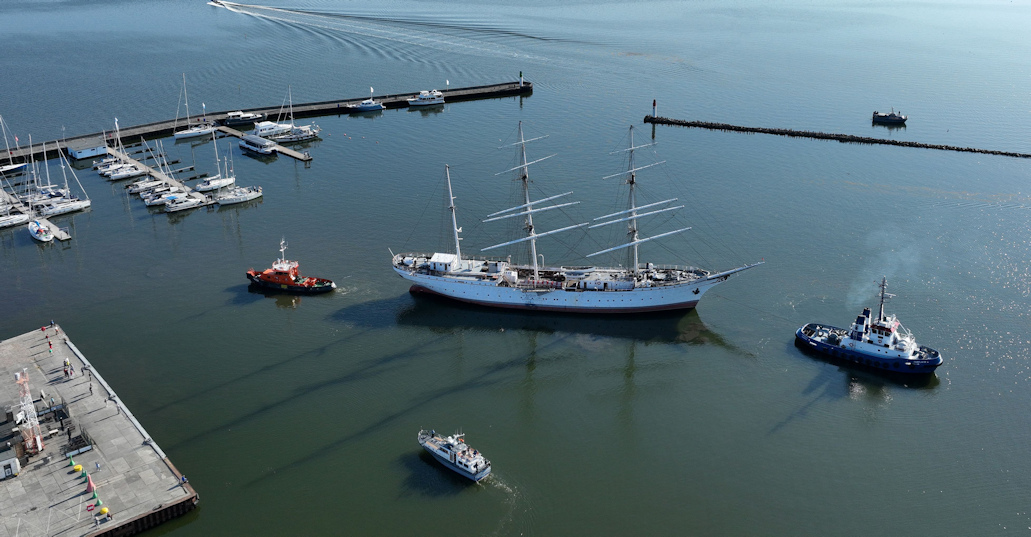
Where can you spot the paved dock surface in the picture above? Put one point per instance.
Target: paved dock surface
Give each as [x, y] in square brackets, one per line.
[135, 480]
[323, 108]
[279, 149]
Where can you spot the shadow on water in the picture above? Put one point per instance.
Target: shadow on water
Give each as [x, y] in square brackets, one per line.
[850, 380]
[248, 293]
[426, 476]
[442, 315]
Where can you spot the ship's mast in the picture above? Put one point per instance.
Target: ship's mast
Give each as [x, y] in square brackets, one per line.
[884, 295]
[632, 181]
[454, 217]
[524, 176]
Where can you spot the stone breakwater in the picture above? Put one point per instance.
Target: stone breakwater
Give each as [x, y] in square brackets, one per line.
[843, 138]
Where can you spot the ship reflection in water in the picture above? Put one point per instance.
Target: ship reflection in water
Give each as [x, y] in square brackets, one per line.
[444, 315]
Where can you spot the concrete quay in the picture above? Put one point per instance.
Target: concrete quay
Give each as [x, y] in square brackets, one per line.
[81, 422]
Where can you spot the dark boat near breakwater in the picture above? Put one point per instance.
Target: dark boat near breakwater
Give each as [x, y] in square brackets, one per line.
[892, 118]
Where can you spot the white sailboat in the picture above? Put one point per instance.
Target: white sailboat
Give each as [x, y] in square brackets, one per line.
[294, 132]
[200, 129]
[585, 289]
[220, 179]
[10, 167]
[65, 203]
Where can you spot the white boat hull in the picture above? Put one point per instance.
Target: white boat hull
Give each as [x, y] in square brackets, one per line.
[63, 207]
[40, 232]
[13, 220]
[193, 132]
[214, 183]
[239, 195]
[491, 292]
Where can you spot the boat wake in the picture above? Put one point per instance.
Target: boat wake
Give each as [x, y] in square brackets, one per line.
[440, 36]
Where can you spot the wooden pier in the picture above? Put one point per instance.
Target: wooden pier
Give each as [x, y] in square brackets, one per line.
[59, 233]
[279, 149]
[162, 129]
[163, 177]
[95, 454]
[843, 138]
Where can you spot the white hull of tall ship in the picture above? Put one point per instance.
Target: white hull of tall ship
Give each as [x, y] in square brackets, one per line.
[64, 206]
[580, 290]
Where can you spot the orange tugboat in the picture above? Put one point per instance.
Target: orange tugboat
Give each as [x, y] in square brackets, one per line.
[284, 276]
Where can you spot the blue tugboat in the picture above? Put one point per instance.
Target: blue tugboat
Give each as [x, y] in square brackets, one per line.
[453, 452]
[880, 343]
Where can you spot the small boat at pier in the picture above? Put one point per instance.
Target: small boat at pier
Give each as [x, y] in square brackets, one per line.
[880, 343]
[257, 144]
[454, 453]
[238, 194]
[40, 231]
[242, 118]
[185, 202]
[368, 105]
[285, 276]
[427, 98]
[200, 129]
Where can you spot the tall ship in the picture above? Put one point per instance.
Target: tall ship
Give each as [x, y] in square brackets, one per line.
[881, 342]
[453, 452]
[497, 282]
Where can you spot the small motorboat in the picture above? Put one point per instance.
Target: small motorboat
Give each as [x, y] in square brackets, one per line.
[427, 98]
[242, 118]
[284, 276]
[368, 105]
[40, 232]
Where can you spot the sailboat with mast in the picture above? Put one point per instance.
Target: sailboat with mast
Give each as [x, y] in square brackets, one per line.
[10, 167]
[583, 289]
[295, 132]
[201, 129]
[65, 203]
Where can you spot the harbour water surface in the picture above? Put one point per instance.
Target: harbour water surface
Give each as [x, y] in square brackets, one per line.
[300, 414]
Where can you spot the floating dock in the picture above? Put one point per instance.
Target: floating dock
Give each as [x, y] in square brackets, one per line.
[843, 138]
[164, 178]
[161, 129]
[95, 454]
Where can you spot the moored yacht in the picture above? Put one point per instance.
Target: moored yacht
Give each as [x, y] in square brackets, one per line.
[238, 194]
[241, 118]
[427, 98]
[368, 105]
[257, 144]
[40, 231]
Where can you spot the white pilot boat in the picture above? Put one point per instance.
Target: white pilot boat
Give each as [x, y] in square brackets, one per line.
[585, 289]
[880, 343]
[427, 98]
[453, 452]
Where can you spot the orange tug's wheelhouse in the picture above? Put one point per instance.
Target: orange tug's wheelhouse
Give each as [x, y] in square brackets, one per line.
[284, 276]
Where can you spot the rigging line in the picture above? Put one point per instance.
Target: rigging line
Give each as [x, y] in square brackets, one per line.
[764, 312]
[421, 216]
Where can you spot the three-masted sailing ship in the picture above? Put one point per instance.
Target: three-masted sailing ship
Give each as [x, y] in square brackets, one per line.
[583, 289]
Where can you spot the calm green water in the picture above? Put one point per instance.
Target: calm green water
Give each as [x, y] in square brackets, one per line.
[295, 415]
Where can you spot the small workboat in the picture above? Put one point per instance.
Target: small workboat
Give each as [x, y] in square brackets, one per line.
[453, 452]
[427, 98]
[892, 118]
[880, 343]
[40, 232]
[284, 276]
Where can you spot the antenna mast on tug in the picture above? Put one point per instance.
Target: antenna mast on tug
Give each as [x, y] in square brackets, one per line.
[884, 295]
